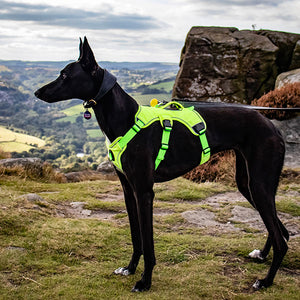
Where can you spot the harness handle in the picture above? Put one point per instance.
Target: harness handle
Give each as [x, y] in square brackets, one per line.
[174, 104]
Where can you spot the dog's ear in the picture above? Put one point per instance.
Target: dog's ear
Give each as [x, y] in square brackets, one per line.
[80, 49]
[87, 59]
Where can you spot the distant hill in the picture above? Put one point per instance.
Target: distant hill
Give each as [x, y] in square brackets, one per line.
[61, 124]
[30, 75]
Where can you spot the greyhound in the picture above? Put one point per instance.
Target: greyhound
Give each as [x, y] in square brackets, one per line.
[258, 146]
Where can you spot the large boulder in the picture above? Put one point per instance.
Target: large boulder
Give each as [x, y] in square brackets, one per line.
[26, 163]
[225, 64]
[290, 130]
[106, 168]
[287, 77]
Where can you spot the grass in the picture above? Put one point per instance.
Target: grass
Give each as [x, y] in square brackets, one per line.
[73, 110]
[72, 113]
[43, 255]
[181, 189]
[94, 133]
[14, 141]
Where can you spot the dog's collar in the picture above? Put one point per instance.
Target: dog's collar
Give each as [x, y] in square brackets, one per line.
[108, 82]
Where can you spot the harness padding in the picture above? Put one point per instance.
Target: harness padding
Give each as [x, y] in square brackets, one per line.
[165, 114]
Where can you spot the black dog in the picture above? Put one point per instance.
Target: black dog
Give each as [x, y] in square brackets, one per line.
[258, 145]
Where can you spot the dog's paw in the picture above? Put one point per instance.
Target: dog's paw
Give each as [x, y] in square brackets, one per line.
[141, 286]
[256, 254]
[122, 271]
[259, 284]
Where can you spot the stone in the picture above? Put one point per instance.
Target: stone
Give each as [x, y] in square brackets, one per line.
[106, 167]
[23, 162]
[225, 64]
[32, 165]
[287, 77]
[16, 248]
[290, 130]
[74, 176]
[33, 197]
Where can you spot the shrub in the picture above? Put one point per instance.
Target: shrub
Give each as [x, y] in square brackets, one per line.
[221, 167]
[4, 154]
[45, 172]
[287, 96]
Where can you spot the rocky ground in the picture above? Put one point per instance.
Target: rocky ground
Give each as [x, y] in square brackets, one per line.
[225, 212]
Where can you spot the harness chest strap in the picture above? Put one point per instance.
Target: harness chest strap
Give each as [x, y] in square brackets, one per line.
[167, 127]
[145, 117]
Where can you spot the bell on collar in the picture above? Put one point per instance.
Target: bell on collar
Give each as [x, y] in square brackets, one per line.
[87, 115]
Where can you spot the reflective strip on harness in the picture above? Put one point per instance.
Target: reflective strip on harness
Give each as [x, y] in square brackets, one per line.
[118, 146]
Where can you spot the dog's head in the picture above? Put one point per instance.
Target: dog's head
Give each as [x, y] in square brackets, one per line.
[77, 80]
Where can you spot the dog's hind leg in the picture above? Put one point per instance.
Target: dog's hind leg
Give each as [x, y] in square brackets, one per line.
[134, 227]
[264, 166]
[242, 177]
[276, 239]
[262, 254]
[243, 183]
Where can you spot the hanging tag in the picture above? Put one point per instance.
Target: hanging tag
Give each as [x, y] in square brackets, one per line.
[87, 115]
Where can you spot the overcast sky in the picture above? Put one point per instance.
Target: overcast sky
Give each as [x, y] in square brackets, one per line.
[128, 30]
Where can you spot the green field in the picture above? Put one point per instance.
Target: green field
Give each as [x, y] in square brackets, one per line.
[166, 85]
[94, 133]
[74, 110]
[14, 141]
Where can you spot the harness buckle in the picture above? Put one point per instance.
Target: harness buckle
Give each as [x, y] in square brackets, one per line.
[111, 155]
[199, 128]
[164, 146]
[136, 128]
[167, 125]
[206, 150]
[138, 125]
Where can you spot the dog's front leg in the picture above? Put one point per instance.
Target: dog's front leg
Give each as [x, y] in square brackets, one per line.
[132, 211]
[145, 210]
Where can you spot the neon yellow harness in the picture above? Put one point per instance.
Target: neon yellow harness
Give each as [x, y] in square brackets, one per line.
[166, 115]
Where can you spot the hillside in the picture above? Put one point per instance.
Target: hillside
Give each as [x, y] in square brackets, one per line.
[61, 125]
[15, 141]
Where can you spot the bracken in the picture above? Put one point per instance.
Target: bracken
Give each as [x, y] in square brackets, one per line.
[287, 96]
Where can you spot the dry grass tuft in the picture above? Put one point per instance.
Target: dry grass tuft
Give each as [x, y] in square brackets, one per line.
[43, 172]
[220, 168]
[287, 96]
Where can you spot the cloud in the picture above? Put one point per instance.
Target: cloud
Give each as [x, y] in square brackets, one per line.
[128, 30]
[75, 18]
[241, 3]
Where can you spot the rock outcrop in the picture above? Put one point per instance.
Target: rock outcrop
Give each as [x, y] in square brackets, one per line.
[28, 162]
[225, 64]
